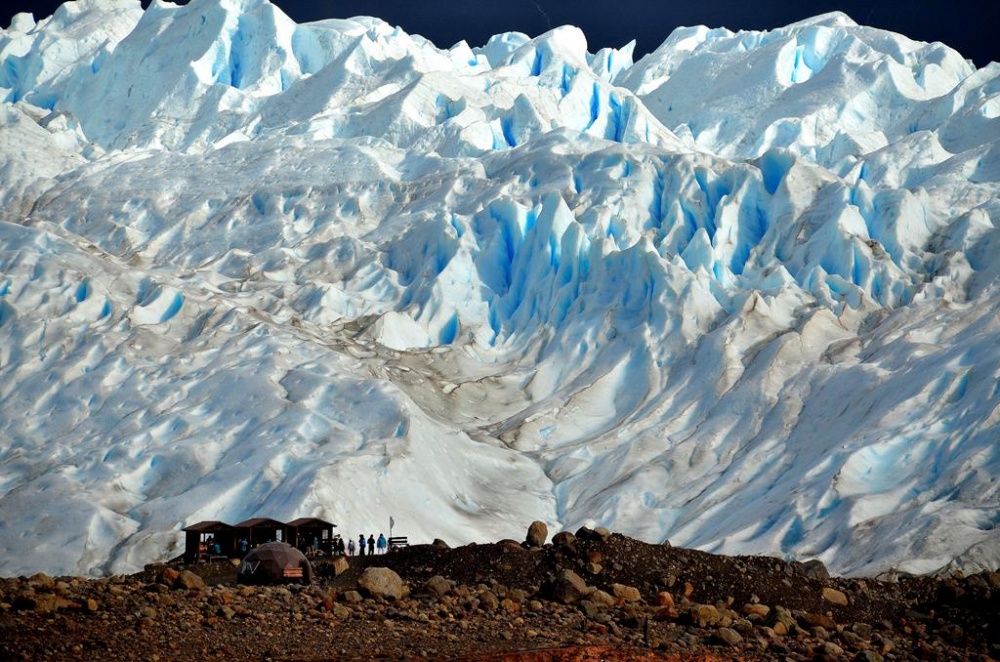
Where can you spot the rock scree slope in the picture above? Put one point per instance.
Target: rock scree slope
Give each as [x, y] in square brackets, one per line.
[740, 294]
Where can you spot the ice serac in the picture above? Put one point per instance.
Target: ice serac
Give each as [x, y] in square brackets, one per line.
[741, 293]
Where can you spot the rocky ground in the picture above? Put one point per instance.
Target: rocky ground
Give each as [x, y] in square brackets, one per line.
[588, 596]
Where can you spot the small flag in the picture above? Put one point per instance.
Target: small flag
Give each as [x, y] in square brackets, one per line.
[392, 522]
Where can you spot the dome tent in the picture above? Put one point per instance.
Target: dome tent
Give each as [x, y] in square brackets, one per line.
[274, 563]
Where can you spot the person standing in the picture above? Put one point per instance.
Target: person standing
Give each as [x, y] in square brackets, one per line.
[361, 544]
[350, 547]
[380, 543]
[371, 545]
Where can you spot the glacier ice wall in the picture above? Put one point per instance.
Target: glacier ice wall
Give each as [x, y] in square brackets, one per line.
[740, 294]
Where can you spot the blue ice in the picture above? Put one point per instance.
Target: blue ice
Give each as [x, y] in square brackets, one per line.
[173, 308]
[82, 291]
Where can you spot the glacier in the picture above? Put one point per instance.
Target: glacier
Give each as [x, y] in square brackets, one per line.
[740, 294]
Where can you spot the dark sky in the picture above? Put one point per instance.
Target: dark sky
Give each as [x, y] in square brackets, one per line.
[970, 26]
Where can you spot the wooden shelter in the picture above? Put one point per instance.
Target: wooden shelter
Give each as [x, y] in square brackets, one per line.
[259, 530]
[304, 530]
[200, 538]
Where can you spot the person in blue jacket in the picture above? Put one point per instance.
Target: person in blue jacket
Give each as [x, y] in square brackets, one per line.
[380, 543]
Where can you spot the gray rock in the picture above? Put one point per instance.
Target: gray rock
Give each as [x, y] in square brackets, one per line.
[705, 615]
[863, 630]
[834, 596]
[188, 580]
[590, 609]
[438, 585]
[729, 636]
[568, 587]
[340, 566]
[537, 533]
[601, 598]
[382, 583]
[626, 593]
[488, 601]
[815, 569]
[832, 650]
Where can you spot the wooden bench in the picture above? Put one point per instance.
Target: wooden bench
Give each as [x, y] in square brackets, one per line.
[292, 573]
[397, 541]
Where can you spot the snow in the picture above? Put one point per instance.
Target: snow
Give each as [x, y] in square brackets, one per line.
[740, 294]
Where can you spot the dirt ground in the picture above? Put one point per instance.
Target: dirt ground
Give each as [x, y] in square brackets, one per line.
[588, 596]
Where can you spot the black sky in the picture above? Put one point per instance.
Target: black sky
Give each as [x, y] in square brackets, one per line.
[971, 26]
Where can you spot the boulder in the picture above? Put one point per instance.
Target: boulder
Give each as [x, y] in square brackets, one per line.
[705, 615]
[834, 596]
[832, 651]
[568, 587]
[563, 539]
[42, 580]
[728, 636]
[626, 593]
[188, 580]
[382, 583]
[438, 586]
[758, 610]
[815, 569]
[440, 544]
[781, 620]
[601, 598]
[664, 599]
[537, 533]
[340, 565]
[169, 576]
[510, 606]
[488, 600]
[818, 620]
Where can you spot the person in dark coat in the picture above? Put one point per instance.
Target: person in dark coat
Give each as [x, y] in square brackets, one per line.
[361, 544]
[371, 545]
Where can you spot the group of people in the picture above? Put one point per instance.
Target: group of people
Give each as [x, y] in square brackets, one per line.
[336, 545]
[210, 547]
[372, 544]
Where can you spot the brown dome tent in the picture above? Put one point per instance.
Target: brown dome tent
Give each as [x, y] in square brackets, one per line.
[274, 563]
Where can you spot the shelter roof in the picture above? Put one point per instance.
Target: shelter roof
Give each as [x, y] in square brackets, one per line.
[208, 525]
[310, 521]
[258, 521]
